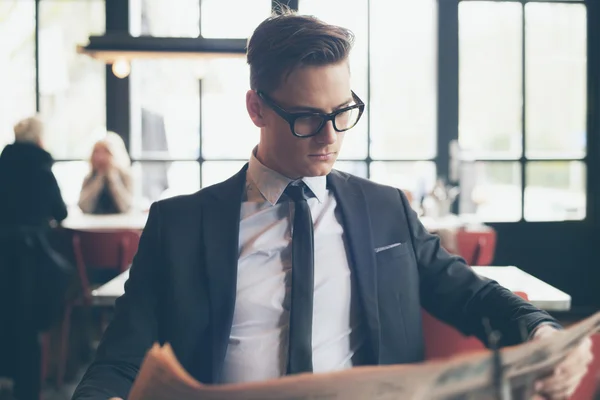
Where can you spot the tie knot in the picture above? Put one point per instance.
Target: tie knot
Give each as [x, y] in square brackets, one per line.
[298, 191]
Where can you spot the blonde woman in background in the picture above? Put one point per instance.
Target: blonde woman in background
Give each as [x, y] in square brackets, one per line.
[108, 188]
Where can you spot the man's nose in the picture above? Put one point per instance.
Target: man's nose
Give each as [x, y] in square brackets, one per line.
[327, 134]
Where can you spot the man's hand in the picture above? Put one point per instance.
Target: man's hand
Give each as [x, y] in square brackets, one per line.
[567, 375]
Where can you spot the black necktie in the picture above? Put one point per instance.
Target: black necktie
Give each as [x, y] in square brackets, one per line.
[301, 311]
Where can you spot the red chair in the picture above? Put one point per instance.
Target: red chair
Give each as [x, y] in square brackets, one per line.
[104, 250]
[112, 250]
[477, 247]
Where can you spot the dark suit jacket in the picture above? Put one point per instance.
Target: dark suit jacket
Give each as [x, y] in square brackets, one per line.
[182, 285]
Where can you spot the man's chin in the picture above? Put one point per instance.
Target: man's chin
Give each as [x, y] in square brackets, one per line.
[320, 170]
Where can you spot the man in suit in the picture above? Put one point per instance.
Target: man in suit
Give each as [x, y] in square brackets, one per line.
[290, 266]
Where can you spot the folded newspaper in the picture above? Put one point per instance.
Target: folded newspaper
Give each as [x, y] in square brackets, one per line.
[472, 376]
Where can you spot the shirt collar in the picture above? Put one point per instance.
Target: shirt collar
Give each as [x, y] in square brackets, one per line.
[272, 184]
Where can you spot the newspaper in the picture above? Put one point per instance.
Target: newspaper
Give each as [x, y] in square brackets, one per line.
[471, 376]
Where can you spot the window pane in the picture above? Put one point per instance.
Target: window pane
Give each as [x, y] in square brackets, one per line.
[351, 14]
[218, 171]
[555, 191]
[556, 80]
[357, 168]
[232, 18]
[491, 190]
[72, 86]
[490, 76]
[70, 177]
[160, 180]
[403, 79]
[17, 63]
[164, 18]
[165, 108]
[227, 130]
[418, 177]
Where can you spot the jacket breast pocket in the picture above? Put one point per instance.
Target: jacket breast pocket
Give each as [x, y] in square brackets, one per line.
[389, 254]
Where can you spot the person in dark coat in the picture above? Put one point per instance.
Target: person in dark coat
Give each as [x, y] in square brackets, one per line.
[33, 277]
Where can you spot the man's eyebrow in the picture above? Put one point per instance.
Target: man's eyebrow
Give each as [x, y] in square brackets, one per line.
[313, 109]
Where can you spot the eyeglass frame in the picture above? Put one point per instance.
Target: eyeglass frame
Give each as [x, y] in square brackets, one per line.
[291, 117]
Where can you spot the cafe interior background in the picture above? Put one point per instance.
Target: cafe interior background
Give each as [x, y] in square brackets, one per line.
[494, 102]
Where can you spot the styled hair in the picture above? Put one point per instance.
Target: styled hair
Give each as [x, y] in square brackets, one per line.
[286, 41]
[114, 144]
[29, 130]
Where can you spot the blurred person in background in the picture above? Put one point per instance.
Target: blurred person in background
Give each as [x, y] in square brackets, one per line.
[33, 277]
[31, 195]
[108, 188]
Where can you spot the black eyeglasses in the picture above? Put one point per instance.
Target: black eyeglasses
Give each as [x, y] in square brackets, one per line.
[307, 124]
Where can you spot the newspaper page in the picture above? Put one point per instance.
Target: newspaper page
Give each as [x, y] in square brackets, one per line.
[470, 376]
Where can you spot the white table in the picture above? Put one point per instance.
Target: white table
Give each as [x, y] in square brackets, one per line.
[541, 294]
[77, 220]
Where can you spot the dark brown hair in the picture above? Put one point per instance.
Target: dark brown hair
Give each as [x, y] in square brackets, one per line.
[286, 41]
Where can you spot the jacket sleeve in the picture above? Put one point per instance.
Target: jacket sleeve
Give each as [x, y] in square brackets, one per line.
[134, 329]
[454, 293]
[90, 190]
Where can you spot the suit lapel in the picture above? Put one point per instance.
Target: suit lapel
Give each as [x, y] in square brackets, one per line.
[357, 227]
[221, 225]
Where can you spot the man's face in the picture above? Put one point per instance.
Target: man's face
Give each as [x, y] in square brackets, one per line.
[312, 88]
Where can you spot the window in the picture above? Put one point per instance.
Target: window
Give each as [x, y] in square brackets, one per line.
[72, 86]
[163, 18]
[194, 18]
[189, 125]
[243, 17]
[522, 110]
[187, 111]
[17, 63]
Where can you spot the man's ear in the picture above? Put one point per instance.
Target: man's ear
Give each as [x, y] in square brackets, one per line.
[255, 108]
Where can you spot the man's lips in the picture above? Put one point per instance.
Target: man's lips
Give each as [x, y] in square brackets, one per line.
[323, 156]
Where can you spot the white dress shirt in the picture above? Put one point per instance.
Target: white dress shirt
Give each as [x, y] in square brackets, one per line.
[258, 343]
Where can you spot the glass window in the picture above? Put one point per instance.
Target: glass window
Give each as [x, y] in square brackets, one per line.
[227, 130]
[164, 18]
[556, 80]
[69, 176]
[72, 86]
[155, 180]
[218, 171]
[358, 168]
[490, 78]
[232, 18]
[165, 109]
[352, 15]
[17, 63]
[403, 79]
[174, 100]
[491, 191]
[416, 177]
[555, 191]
